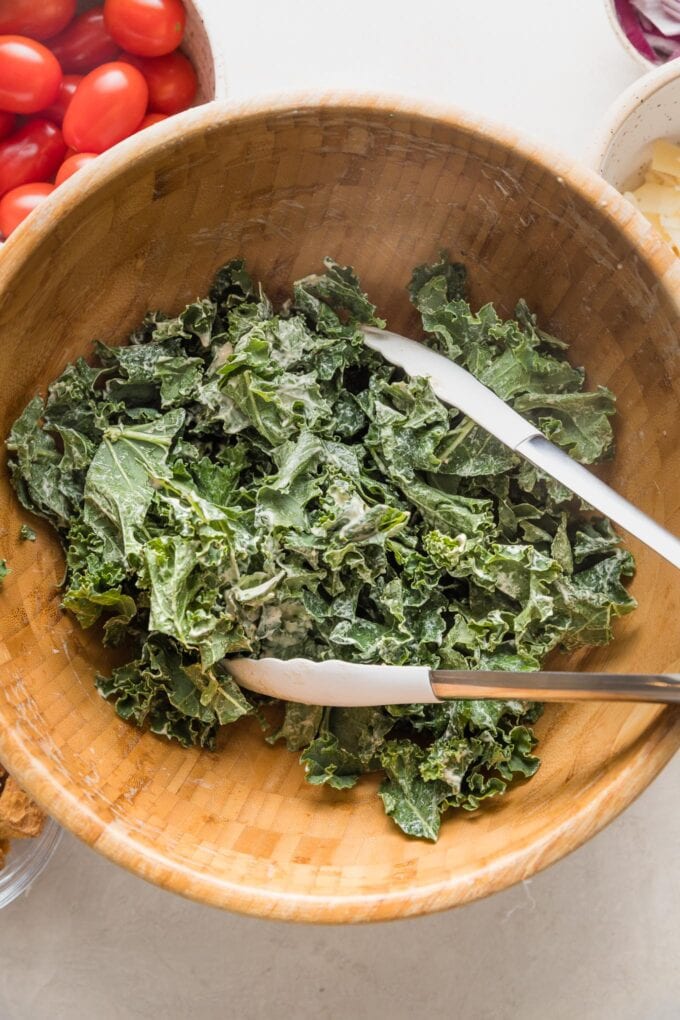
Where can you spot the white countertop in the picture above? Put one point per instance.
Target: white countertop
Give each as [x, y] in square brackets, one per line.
[595, 937]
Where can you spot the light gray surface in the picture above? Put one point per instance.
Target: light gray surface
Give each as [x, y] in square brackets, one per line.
[595, 937]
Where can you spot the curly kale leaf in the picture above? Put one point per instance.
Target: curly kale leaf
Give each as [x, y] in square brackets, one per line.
[171, 694]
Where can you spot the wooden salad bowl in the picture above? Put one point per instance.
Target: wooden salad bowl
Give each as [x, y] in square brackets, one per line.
[383, 185]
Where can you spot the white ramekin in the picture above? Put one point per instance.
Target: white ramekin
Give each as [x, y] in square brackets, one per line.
[647, 110]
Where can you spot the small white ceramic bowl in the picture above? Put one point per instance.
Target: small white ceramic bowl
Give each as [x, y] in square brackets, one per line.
[632, 51]
[647, 110]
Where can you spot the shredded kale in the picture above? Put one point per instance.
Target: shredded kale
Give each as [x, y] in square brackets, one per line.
[238, 480]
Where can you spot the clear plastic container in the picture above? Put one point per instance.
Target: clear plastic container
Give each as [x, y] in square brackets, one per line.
[26, 860]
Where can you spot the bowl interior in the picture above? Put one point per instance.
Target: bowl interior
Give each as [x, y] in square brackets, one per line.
[383, 188]
[652, 111]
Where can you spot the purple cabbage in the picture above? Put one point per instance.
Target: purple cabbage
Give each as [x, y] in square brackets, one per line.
[647, 39]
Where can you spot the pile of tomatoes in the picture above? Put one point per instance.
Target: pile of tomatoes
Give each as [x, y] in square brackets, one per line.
[71, 86]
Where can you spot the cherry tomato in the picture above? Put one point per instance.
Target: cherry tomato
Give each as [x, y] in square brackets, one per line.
[33, 153]
[171, 79]
[39, 19]
[109, 105]
[29, 75]
[7, 122]
[57, 110]
[151, 119]
[18, 203]
[147, 28]
[85, 44]
[72, 165]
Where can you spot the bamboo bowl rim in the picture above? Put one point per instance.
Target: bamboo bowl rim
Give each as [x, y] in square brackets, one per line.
[594, 809]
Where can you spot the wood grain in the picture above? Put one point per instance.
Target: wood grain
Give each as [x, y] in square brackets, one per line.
[382, 184]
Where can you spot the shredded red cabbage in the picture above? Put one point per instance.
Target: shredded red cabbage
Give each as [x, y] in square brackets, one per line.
[640, 19]
[667, 47]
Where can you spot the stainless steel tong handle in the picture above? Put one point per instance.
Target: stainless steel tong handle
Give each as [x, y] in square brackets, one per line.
[663, 688]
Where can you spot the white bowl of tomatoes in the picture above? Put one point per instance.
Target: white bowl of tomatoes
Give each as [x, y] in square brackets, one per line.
[77, 78]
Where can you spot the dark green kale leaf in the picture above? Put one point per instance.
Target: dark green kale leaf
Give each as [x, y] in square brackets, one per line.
[338, 288]
[451, 277]
[578, 422]
[44, 482]
[299, 727]
[174, 696]
[120, 480]
[348, 744]
[414, 801]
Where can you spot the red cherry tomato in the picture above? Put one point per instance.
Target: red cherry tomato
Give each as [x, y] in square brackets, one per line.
[109, 105]
[85, 43]
[33, 153]
[39, 19]
[7, 122]
[72, 165]
[151, 119]
[147, 28]
[29, 75]
[18, 203]
[57, 110]
[171, 79]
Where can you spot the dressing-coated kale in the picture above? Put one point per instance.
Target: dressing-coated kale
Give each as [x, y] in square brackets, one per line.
[238, 480]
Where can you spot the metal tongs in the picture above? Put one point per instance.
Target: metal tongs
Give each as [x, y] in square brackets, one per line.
[350, 684]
